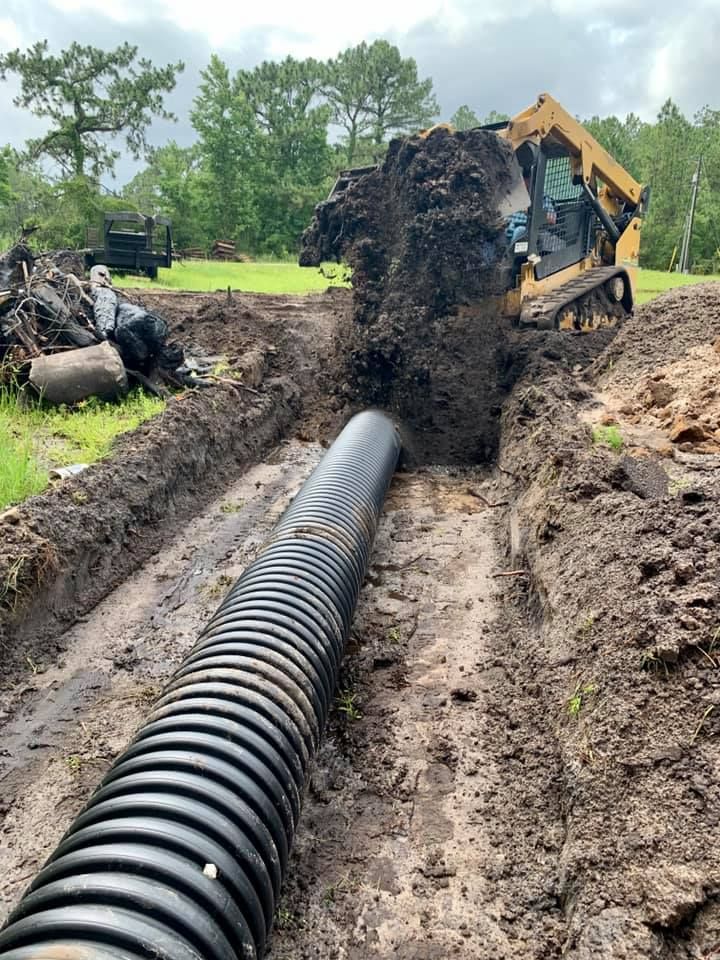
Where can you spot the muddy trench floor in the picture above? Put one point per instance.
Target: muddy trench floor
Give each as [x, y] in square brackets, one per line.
[523, 758]
[397, 815]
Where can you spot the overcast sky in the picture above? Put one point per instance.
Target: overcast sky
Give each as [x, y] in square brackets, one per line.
[491, 54]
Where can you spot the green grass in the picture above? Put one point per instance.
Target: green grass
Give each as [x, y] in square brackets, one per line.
[580, 695]
[34, 439]
[610, 436]
[20, 473]
[207, 276]
[651, 283]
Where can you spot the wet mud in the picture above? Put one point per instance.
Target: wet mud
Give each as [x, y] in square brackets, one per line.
[523, 757]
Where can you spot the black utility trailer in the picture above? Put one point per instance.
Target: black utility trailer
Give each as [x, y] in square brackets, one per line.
[131, 243]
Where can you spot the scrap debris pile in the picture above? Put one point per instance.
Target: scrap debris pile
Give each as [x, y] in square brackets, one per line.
[71, 337]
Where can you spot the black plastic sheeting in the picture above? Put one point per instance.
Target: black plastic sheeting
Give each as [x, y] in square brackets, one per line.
[181, 852]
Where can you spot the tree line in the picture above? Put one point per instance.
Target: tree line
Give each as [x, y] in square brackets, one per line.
[270, 140]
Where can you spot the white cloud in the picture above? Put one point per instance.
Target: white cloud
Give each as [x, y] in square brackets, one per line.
[317, 28]
[10, 37]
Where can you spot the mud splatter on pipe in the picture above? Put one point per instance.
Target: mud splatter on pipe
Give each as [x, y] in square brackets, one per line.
[180, 853]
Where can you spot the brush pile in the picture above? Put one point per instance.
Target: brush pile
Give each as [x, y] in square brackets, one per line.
[44, 305]
[49, 311]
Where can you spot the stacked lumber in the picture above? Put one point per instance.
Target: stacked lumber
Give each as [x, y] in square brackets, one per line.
[224, 250]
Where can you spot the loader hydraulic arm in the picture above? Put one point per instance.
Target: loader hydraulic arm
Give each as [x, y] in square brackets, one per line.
[548, 119]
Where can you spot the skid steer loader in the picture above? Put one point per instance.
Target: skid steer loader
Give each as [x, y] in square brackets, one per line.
[572, 217]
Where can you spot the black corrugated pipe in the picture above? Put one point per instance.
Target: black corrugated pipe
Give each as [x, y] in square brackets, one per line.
[181, 851]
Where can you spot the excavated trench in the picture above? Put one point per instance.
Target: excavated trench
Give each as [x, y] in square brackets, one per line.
[521, 759]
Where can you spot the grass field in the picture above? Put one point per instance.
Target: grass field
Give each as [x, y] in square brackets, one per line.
[206, 276]
[34, 439]
[651, 283]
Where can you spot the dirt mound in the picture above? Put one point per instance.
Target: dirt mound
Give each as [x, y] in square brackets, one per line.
[657, 383]
[65, 549]
[620, 547]
[667, 328]
[425, 240]
[298, 332]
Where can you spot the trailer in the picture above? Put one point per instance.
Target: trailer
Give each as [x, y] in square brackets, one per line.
[131, 243]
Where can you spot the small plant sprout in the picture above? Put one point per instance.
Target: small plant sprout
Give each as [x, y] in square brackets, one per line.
[393, 635]
[649, 660]
[609, 436]
[580, 694]
[284, 918]
[232, 507]
[74, 763]
[348, 704]
[220, 586]
[681, 483]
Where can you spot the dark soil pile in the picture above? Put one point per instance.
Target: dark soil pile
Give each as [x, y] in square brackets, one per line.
[623, 558]
[425, 241]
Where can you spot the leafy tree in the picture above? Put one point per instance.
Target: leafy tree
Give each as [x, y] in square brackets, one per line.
[89, 96]
[6, 156]
[61, 210]
[620, 138]
[665, 157]
[229, 150]
[295, 157]
[398, 101]
[374, 92]
[282, 95]
[495, 117]
[464, 118]
[71, 206]
[172, 184]
[346, 84]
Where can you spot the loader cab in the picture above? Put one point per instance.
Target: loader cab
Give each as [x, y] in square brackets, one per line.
[565, 235]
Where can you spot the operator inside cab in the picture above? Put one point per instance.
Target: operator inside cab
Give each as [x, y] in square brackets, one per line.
[516, 227]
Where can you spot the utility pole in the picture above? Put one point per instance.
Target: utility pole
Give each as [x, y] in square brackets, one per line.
[684, 261]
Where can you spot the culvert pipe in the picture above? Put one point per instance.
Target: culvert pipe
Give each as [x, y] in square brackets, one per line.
[181, 852]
